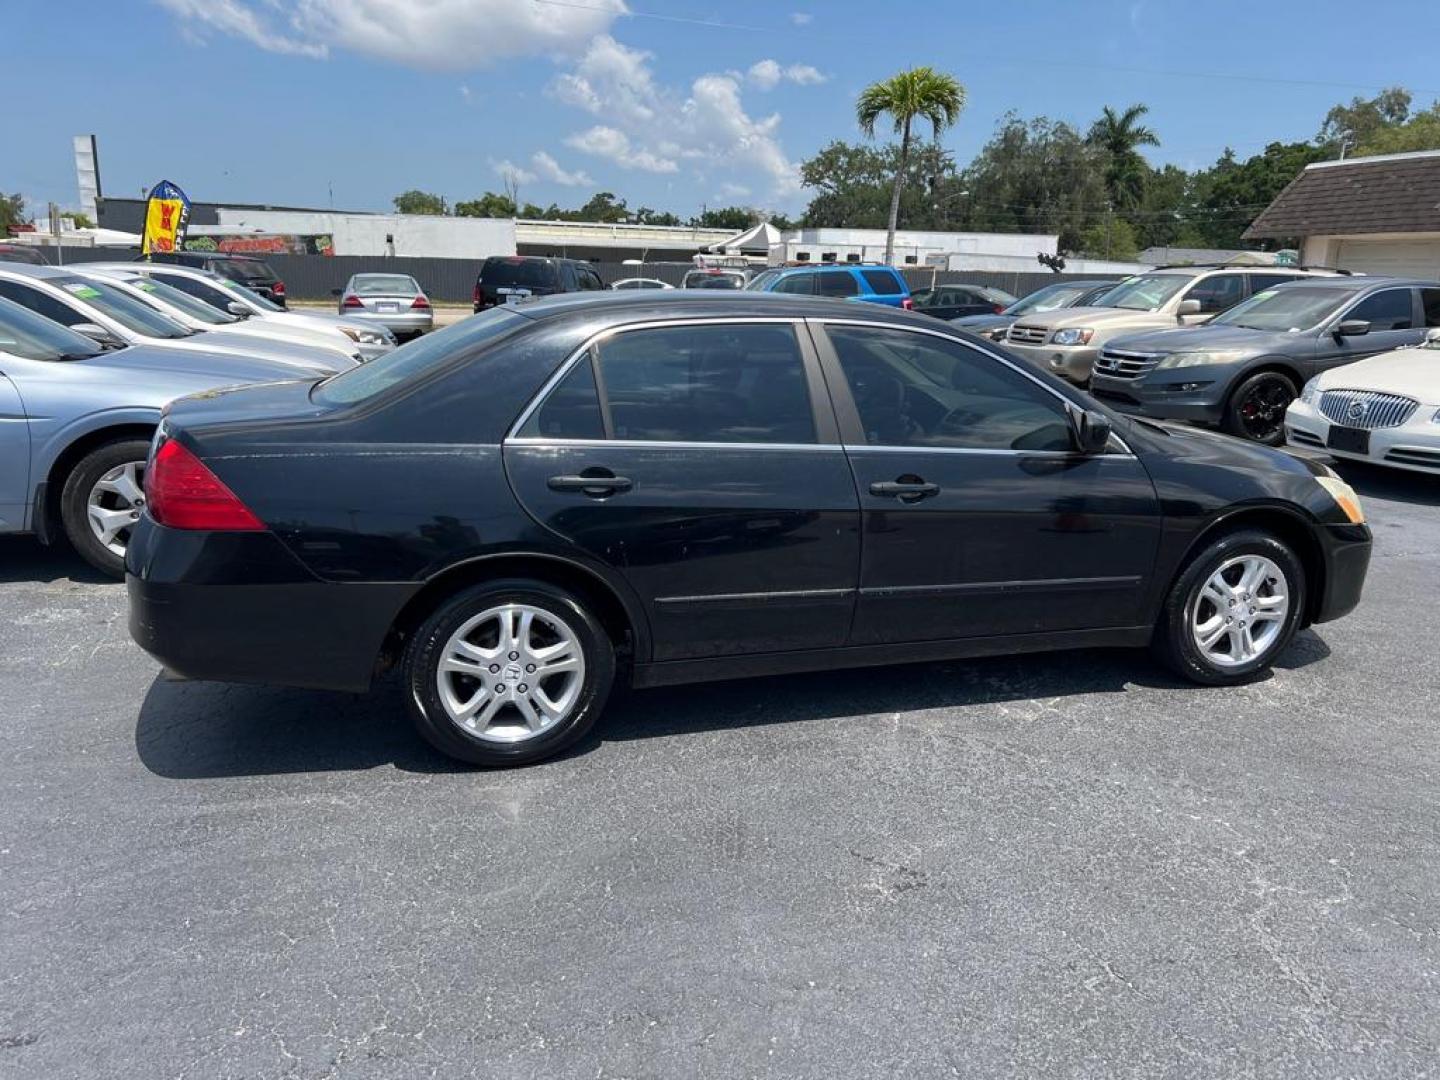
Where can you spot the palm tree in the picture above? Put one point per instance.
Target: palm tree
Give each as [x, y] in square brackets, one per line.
[1119, 135]
[918, 94]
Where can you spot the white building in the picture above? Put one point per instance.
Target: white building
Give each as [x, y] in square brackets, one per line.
[373, 234]
[995, 252]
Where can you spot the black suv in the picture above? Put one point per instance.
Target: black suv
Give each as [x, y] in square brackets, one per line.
[506, 279]
[255, 274]
[669, 487]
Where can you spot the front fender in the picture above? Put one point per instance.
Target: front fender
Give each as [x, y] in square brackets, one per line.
[51, 437]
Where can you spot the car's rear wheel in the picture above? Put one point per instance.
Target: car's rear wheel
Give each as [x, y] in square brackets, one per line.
[1233, 609]
[101, 502]
[508, 673]
[1256, 410]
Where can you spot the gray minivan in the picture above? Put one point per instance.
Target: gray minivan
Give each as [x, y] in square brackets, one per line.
[508, 279]
[1242, 369]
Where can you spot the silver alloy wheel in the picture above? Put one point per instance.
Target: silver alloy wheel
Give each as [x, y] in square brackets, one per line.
[510, 673]
[114, 504]
[1240, 610]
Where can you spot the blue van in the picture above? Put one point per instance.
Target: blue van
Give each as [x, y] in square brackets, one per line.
[875, 283]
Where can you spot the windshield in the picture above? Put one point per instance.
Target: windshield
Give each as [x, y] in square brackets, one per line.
[712, 279]
[384, 285]
[1047, 299]
[503, 272]
[135, 315]
[1144, 293]
[24, 333]
[183, 302]
[412, 360]
[1287, 309]
[762, 281]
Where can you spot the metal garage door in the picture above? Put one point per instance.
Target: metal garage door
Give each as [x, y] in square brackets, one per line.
[1403, 258]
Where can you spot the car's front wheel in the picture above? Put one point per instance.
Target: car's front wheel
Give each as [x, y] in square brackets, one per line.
[1256, 409]
[508, 673]
[1233, 609]
[102, 500]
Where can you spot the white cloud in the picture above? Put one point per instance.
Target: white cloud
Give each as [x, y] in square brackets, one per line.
[653, 127]
[511, 173]
[447, 34]
[465, 93]
[614, 145]
[767, 74]
[729, 190]
[549, 169]
[801, 18]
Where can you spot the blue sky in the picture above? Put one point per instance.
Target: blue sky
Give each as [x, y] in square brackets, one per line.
[672, 104]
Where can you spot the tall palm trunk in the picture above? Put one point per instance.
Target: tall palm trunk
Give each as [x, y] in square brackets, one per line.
[895, 193]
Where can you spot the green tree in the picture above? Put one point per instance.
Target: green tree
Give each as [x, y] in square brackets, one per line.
[419, 202]
[1118, 134]
[853, 185]
[12, 212]
[1354, 125]
[646, 216]
[1230, 194]
[1421, 131]
[1111, 237]
[919, 94]
[490, 205]
[603, 206]
[737, 218]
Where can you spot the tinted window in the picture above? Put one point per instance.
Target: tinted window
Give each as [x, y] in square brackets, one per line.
[383, 285]
[883, 282]
[1269, 281]
[24, 332]
[506, 272]
[1217, 293]
[589, 280]
[803, 284]
[707, 384]
[239, 270]
[838, 283]
[199, 289]
[1431, 299]
[919, 390]
[420, 355]
[41, 303]
[181, 301]
[1390, 309]
[572, 411]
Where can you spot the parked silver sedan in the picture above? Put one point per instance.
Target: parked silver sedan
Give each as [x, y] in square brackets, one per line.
[395, 301]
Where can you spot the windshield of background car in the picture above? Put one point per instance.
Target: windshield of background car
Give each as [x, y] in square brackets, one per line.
[1290, 308]
[500, 272]
[135, 315]
[1144, 293]
[358, 384]
[384, 285]
[762, 281]
[240, 270]
[1046, 299]
[168, 294]
[706, 279]
[24, 333]
[250, 296]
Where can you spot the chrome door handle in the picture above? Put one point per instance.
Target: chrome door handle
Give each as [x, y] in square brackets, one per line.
[905, 490]
[598, 486]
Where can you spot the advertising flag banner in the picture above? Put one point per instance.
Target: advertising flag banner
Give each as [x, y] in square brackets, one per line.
[167, 212]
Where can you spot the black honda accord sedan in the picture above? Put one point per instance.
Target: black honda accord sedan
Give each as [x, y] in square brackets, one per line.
[673, 487]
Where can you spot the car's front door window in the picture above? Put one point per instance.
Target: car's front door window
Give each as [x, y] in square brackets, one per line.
[1217, 293]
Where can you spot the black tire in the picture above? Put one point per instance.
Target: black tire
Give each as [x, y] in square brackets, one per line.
[74, 500]
[427, 647]
[1256, 409]
[1174, 644]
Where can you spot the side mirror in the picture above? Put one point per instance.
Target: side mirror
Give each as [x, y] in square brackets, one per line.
[97, 334]
[1188, 307]
[1432, 338]
[235, 307]
[1352, 328]
[1091, 429]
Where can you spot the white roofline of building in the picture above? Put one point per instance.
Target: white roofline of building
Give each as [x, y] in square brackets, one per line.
[1374, 159]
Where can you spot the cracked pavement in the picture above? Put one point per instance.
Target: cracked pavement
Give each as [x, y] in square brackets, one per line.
[1063, 865]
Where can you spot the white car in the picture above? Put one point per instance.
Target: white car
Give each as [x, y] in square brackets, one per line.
[195, 314]
[1385, 410]
[641, 283]
[225, 295]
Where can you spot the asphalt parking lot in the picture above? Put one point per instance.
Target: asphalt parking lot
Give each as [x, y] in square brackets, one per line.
[1046, 866]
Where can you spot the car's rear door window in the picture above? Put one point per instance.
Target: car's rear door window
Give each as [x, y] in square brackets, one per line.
[730, 383]
[1218, 293]
[1431, 299]
[883, 282]
[838, 283]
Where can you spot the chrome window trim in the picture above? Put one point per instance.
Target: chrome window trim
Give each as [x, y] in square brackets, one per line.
[980, 348]
[671, 444]
[795, 322]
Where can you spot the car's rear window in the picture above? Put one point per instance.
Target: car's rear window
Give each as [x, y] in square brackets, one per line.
[410, 361]
[500, 272]
[242, 270]
[384, 285]
[883, 282]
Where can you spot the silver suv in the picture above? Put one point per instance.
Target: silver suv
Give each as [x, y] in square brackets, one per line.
[1067, 341]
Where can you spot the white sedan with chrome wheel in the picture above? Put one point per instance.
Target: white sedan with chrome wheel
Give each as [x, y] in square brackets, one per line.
[1385, 410]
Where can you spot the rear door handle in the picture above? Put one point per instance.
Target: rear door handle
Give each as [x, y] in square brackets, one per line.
[906, 490]
[597, 486]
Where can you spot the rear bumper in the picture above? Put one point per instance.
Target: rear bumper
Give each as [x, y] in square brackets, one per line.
[400, 322]
[1346, 551]
[239, 607]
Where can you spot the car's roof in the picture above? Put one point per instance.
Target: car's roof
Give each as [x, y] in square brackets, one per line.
[820, 267]
[36, 270]
[640, 305]
[1357, 281]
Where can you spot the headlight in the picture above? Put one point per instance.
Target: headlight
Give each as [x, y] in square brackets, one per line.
[1201, 359]
[1344, 496]
[1076, 336]
[1311, 394]
[370, 337]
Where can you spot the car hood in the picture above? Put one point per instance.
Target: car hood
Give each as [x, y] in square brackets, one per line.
[205, 368]
[1201, 447]
[1412, 373]
[1175, 339]
[982, 322]
[1096, 317]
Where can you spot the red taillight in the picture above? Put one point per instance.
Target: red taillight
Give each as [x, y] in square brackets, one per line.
[352, 301]
[181, 493]
[479, 295]
[998, 308]
[908, 304]
[278, 288]
[420, 302]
